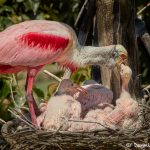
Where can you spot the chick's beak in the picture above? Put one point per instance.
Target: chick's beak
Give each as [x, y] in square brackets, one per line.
[122, 59]
[80, 89]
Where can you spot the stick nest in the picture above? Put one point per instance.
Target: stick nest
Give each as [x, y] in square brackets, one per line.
[17, 136]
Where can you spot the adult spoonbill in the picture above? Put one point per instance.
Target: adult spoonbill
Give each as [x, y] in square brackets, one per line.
[30, 45]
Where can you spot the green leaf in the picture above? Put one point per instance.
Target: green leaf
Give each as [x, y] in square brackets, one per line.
[38, 92]
[4, 88]
[6, 9]
[52, 87]
[2, 2]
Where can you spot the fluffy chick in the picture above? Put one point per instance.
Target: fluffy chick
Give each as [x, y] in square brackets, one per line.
[59, 110]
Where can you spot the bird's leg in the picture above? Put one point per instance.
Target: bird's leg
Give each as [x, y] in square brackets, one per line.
[33, 108]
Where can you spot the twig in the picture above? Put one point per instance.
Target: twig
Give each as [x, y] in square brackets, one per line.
[80, 13]
[147, 87]
[17, 116]
[16, 84]
[144, 106]
[140, 11]
[1, 120]
[12, 97]
[23, 116]
[59, 147]
[52, 75]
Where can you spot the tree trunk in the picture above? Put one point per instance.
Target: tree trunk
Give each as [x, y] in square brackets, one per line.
[115, 22]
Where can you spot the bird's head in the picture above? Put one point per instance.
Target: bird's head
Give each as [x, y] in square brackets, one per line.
[119, 55]
[67, 87]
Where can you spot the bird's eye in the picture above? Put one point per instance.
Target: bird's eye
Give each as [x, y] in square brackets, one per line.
[115, 54]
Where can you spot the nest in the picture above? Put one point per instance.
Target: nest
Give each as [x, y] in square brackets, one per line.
[31, 138]
[17, 135]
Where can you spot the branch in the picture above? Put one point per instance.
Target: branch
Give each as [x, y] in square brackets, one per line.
[17, 116]
[1, 120]
[84, 23]
[146, 41]
[140, 11]
[52, 75]
[141, 31]
[80, 14]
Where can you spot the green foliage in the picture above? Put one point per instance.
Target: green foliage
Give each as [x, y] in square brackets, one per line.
[14, 11]
[38, 92]
[4, 88]
[4, 97]
[81, 75]
[4, 102]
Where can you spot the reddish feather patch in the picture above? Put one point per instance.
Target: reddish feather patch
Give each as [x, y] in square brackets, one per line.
[44, 41]
[6, 69]
[71, 66]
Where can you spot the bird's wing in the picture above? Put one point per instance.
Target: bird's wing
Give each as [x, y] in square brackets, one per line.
[32, 48]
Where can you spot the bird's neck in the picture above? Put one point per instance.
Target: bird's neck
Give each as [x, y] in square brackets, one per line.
[90, 55]
[80, 56]
[125, 86]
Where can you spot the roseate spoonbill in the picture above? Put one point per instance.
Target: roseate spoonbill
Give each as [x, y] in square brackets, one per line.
[30, 45]
[59, 110]
[127, 109]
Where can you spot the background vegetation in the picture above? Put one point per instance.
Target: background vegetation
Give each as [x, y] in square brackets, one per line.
[15, 11]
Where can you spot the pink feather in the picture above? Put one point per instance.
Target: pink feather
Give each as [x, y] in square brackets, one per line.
[33, 43]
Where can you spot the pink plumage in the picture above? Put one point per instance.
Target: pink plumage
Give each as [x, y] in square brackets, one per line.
[58, 111]
[126, 112]
[30, 45]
